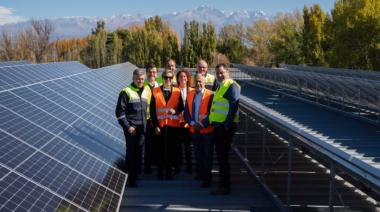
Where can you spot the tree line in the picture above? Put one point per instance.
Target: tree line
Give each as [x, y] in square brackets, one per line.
[346, 37]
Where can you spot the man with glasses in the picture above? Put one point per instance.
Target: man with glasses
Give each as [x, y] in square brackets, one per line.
[131, 113]
[164, 108]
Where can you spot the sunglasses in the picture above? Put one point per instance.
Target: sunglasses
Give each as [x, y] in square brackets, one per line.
[166, 77]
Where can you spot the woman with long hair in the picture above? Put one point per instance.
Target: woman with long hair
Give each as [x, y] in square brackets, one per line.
[184, 144]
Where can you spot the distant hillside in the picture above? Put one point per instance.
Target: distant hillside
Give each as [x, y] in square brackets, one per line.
[67, 27]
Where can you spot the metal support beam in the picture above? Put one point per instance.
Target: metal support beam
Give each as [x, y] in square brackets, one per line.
[332, 186]
[263, 149]
[288, 192]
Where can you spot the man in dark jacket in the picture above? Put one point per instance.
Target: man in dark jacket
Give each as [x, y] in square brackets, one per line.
[224, 117]
[131, 112]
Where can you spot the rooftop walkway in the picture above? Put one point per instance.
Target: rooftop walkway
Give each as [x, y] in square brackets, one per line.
[184, 194]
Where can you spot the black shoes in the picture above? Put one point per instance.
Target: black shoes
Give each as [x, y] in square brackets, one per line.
[205, 184]
[189, 170]
[221, 191]
[147, 171]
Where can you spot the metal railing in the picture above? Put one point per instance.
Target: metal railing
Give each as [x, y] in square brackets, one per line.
[288, 163]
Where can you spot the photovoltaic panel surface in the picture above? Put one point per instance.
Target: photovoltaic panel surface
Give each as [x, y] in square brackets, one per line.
[61, 142]
[13, 63]
[21, 75]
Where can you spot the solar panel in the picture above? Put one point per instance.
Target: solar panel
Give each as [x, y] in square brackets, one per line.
[60, 143]
[16, 76]
[13, 63]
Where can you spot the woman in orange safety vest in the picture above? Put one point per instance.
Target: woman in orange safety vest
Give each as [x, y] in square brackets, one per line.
[164, 108]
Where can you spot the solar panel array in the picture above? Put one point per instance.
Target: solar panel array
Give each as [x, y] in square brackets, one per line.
[351, 73]
[13, 63]
[359, 95]
[21, 75]
[61, 146]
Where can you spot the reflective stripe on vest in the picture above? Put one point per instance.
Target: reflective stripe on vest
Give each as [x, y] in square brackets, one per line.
[220, 106]
[150, 96]
[134, 97]
[203, 110]
[163, 107]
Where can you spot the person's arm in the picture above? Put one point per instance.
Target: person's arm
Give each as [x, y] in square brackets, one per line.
[206, 121]
[121, 107]
[180, 106]
[186, 114]
[215, 85]
[232, 95]
[152, 110]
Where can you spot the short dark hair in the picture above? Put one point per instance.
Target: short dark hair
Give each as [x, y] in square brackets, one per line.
[149, 67]
[168, 60]
[221, 65]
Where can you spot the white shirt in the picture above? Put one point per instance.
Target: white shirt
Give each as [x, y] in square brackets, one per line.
[184, 95]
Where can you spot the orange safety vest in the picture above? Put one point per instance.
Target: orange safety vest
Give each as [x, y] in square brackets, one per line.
[181, 118]
[162, 107]
[203, 110]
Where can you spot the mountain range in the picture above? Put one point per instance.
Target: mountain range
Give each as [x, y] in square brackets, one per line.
[68, 27]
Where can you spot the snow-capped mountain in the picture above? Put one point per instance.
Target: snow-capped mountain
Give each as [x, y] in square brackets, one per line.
[81, 26]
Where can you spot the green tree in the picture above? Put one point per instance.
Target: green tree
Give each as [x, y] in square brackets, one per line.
[314, 35]
[207, 44]
[114, 49]
[355, 34]
[260, 37]
[287, 42]
[230, 42]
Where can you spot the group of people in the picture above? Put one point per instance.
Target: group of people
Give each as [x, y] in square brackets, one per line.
[162, 116]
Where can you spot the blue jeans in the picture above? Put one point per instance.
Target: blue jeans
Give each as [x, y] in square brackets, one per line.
[203, 149]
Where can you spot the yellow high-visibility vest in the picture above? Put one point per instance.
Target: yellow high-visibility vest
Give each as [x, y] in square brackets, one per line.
[220, 106]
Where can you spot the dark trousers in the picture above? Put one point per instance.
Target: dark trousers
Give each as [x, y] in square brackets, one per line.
[167, 156]
[150, 139]
[223, 140]
[134, 153]
[203, 149]
[185, 148]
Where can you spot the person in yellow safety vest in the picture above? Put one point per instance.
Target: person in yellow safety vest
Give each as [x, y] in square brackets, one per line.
[184, 140]
[150, 138]
[131, 113]
[202, 68]
[171, 65]
[164, 108]
[224, 117]
[197, 114]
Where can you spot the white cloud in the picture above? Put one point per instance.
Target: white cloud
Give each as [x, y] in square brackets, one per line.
[6, 16]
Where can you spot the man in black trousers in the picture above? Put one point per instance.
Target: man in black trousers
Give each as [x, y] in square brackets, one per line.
[131, 112]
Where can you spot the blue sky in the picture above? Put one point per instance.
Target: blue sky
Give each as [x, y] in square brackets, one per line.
[17, 10]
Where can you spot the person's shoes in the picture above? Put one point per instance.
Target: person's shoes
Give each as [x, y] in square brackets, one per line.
[160, 176]
[197, 177]
[205, 184]
[189, 170]
[177, 170]
[221, 191]
[148, 171]
[168, 177]
[132, 184]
